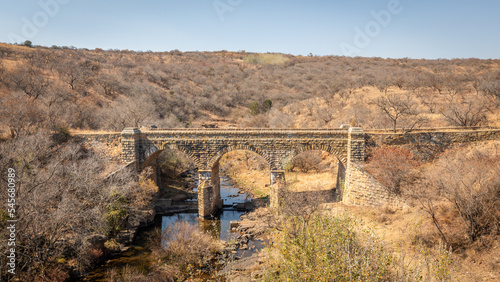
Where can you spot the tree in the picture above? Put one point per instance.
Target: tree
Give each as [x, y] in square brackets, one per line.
[383, 84]
[28, 43]
[2, 72]
[30, 80]
[254, 108]
[79, 76]
[463, 110]
[21, 114]
[307, 161]
[490, 85]
[131, 112]
[469, 178]
[398, 107]
[67, 201]
[266, 106]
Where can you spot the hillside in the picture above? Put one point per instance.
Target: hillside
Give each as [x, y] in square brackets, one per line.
[62, 87]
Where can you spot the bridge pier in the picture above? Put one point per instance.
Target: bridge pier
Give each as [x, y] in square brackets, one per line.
[209, 200]
[277, 184]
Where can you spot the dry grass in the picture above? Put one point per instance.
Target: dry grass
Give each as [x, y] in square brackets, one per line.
[411, 237]
[301, 181]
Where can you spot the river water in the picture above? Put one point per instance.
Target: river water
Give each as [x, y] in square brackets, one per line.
[138, 256]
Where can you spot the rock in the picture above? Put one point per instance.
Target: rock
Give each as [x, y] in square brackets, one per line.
[134, 221]
[244, 247]
[96, 239]
[240, 206]
[126, 236]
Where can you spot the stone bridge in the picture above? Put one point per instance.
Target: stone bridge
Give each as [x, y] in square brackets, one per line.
[277, 146]
[206, 146]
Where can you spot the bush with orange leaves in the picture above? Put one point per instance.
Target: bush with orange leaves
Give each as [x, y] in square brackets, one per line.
[392, 166]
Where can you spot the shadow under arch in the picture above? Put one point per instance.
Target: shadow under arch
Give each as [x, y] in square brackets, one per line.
[153, 161]
[329, 195]
[341, 156]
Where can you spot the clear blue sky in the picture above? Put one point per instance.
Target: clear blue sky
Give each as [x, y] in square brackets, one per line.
[416, 29]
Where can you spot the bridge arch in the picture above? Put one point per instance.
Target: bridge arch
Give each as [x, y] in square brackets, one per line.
[151, 155]
[341, 156]
[338, 171]
[238, 147]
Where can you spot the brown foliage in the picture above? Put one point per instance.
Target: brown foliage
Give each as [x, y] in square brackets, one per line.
[307, 161]
[469, 178]
[399, 108]
[392, 166]
[65, 199]
[99, 89]
[183, 249]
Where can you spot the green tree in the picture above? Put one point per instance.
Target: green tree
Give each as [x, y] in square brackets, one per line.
[267, 105]
[28, 43]
[254, 108]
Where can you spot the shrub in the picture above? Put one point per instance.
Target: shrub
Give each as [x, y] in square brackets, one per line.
[267, 105]
[184, 249]
[170, 163]
[469, 178]
[307, 161]
[254, 108]
[392, 166]
[327, 249]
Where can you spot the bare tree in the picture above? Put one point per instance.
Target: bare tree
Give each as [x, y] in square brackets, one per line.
[65, 200]
[21, 114]
[470, 179]
[490, 85]
[30, 80]
[399, 107]
[383, 84]
[463, 110]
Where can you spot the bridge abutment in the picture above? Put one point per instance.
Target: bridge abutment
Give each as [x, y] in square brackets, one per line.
[132, 149]
[355, 155]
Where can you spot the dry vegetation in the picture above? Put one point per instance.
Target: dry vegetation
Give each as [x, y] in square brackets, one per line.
[66, 206]
[453, 197]
[61, 87]
[449, 229]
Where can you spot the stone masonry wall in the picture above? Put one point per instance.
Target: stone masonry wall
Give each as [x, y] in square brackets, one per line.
[205, 147]
[362, 189]
[433, 137]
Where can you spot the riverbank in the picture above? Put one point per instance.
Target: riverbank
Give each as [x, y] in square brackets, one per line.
[145, 257]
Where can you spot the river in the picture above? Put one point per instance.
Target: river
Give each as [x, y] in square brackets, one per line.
[139, 256]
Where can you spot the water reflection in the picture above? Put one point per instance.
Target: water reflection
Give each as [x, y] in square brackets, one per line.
[219, 227]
